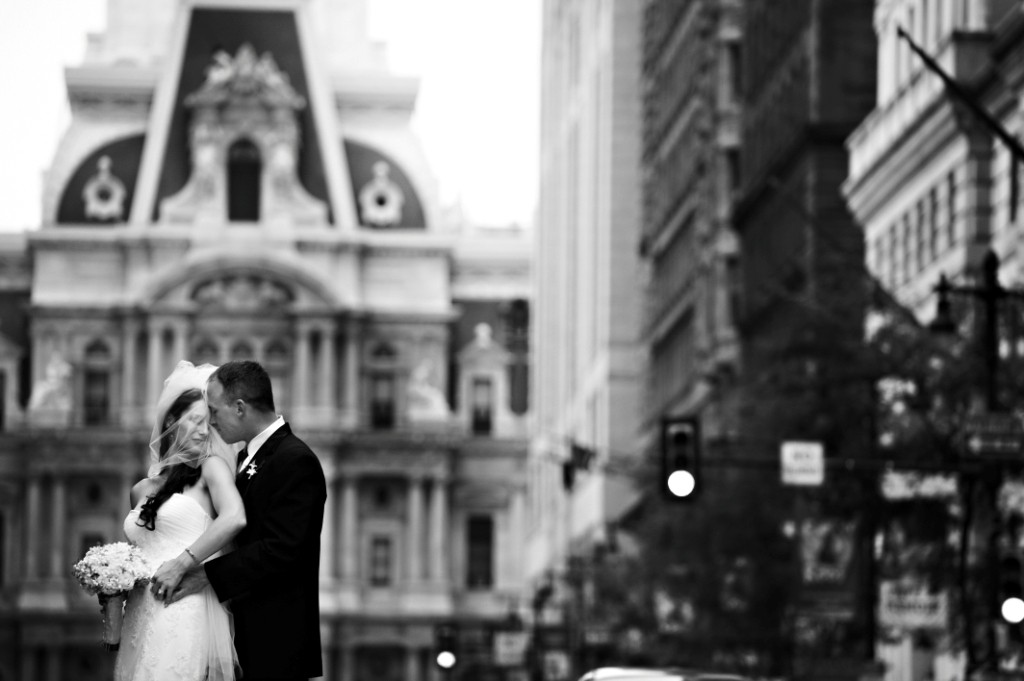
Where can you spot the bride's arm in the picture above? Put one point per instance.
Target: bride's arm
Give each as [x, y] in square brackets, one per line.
[230, 520]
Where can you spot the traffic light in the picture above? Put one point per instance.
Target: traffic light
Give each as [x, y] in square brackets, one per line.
[446, 654]
[680, 457]
[1011, 585]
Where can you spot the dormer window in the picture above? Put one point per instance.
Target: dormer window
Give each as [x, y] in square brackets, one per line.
[244, 170]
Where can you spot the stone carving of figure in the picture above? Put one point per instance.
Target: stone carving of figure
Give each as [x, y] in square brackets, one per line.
[52, 393]
[426, 401]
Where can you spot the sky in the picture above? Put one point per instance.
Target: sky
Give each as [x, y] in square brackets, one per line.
[477, 114]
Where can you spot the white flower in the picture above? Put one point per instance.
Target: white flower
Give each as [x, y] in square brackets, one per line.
[111, 569]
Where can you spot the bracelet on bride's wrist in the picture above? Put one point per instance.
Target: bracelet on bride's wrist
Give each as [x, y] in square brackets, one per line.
[192, 555]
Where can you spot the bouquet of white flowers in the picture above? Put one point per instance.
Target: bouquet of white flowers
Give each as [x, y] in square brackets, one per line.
[110, 572]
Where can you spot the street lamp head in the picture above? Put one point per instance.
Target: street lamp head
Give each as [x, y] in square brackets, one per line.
[943, 322]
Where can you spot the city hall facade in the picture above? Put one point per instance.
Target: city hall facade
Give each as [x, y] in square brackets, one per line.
[241, 180]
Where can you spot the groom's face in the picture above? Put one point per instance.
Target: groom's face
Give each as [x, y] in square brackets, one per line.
[225, 416]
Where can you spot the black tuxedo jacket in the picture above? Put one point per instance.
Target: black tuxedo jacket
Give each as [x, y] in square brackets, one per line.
[272, 578]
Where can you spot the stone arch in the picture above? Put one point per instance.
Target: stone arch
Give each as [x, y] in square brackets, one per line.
[314, 293]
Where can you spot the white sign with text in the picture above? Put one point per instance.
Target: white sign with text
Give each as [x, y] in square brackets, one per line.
[803, 463]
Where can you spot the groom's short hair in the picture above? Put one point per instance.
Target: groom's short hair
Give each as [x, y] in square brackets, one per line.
[244, 379]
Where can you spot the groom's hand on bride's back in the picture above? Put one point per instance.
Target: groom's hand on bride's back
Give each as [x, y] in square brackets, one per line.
[193, 582]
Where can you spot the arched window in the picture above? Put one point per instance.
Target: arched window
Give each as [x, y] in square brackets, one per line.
[96, 384]
[244, 170]
[482, 417]
[206, 352]
[241, 350]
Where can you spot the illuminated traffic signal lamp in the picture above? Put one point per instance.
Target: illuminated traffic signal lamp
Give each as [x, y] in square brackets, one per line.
[680, 457]
[446, 654]
[1011, 586]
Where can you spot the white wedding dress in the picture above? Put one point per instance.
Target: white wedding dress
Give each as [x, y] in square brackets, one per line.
[190, 640]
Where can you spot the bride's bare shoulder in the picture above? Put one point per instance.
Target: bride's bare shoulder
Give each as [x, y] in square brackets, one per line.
[144, 488]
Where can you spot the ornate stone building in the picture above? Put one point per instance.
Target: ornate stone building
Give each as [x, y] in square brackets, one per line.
[934, 191]
[241, 181]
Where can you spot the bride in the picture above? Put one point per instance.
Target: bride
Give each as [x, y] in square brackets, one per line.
[186, 511]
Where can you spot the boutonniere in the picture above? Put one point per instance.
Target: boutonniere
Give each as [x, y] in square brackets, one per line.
[251, 470]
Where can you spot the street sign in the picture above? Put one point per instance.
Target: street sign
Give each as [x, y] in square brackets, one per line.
[994, 434]
[803, 463]
[510, 648]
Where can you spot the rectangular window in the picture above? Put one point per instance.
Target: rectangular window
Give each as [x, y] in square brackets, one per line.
[381, 561]
[933, 224]
[483, 405]
[951, 210]
[382, 401]
[97, 397]
[894, 256]
[480, 552]
[908, 249]
[922, 239]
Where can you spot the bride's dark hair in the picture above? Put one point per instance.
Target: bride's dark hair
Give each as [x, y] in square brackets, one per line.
[179, 476]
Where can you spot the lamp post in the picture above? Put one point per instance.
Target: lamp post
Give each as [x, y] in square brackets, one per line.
[989, 292]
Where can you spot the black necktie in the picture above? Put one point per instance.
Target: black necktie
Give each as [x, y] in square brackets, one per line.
[241, 457]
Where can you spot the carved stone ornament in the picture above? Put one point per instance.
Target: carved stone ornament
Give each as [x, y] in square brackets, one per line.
[380, 199]
[104, 194]
[242, 293]
[245, 98]
[245, 76]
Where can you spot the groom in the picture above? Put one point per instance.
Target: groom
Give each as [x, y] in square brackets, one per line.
[272, 576]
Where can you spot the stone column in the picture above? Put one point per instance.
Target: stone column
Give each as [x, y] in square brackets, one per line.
[28, 663]
[129, 408]
[348, 663]
[300, 399]
[180, 341]
[350, 396]
[349, 529]
[414, 527]
[58, 521]
[328, 549]
[439, 532]
[224, 348]
[517, 534]
[155, 362]
[412, 664]
[54, 659]
[32, 508]
[328, 372]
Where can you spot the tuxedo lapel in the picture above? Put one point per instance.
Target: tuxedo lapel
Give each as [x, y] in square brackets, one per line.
[245, 478]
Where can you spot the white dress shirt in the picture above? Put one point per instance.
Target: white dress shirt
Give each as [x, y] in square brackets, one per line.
[261, 439]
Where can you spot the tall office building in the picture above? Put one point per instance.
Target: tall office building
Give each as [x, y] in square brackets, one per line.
[587, 326]
[692, 114]
[241, 181]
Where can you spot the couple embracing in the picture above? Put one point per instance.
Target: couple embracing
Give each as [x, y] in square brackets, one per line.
[236, 537]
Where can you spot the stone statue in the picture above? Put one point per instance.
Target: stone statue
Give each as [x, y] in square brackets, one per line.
[51, 395]
[426, 402]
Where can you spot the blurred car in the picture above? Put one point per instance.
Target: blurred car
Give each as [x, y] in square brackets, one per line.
[644, 674]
